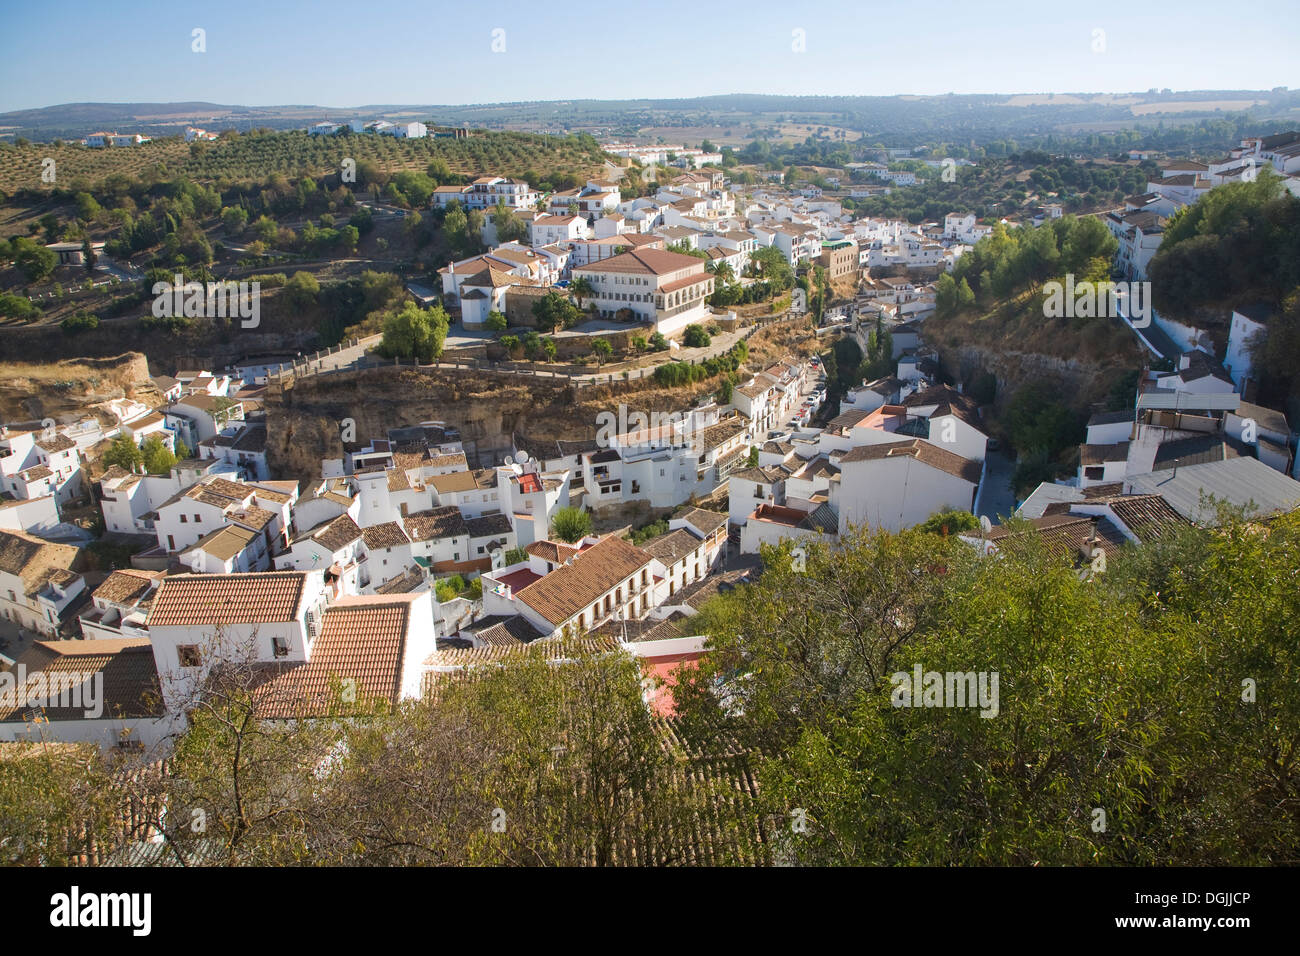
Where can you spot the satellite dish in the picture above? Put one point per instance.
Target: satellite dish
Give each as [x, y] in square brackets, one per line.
[509, 460]
[985, 525]
[523, 457]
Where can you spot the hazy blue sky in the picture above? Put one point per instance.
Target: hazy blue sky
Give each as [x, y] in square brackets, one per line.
[357, 52]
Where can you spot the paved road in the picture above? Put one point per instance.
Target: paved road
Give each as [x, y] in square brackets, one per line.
[997, 500]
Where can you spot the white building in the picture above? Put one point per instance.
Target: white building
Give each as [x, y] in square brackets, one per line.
[38, 581]
[669, 290]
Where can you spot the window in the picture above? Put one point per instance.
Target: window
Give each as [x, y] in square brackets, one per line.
[189, 655]
[184, 519]
[198, 519]
[279, 647]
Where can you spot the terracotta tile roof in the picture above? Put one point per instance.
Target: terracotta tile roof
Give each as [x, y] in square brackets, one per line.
[1110, 418]
[687, 282]
[224, 543]
[1065, 534]
[209, 599]
[397, 477]
[336, 533]
[449, 660]
[672, 547]
[754, 390]
[454, 481]
[251, 438]
[386, 535]
[644, 262]
[362, 639]
[706, 521]
[252, 517]
[723, 431]
[409, 581]
[557, 552]
[56, 443]
[921, 451]
[223, 487]
[127, 586]
[130, 677]
[847, 420]
[763, 475]
[950, 402]
[1267, 419]
[32, 560]
[487, 525]
[265, 496]
[1100, 454]
[570, 589]
[442, 461]
[503, 630]
[435, 523]
[1148, 516]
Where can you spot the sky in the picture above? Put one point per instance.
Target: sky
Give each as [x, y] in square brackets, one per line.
[350, 53]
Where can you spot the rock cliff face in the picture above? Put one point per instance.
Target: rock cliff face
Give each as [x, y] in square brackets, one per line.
[305, 420]
[211, 344]
[1081, 361]
[1081, 382]
[65, 390]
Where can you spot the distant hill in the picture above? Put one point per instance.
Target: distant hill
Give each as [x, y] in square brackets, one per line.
[888, 119]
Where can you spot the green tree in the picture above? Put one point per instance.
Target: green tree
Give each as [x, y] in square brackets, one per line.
[602, 350]
[1119, 690]
[948, 522]
[570, 524]
[80, 321]
[771, 264]
[496, 322]
[234, 219]
[88, 209]
[555, 312]
[510, 228]
[33, 260]
[413, 332]
[157, 457]
[123, 452]
[302, 289]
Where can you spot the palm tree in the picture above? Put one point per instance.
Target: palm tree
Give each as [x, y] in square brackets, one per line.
[581, 289]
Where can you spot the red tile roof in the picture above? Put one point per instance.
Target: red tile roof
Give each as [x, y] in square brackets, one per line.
[362, 640]
[208, 599]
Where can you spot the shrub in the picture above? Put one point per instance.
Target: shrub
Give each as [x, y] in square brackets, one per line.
[695, 336]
